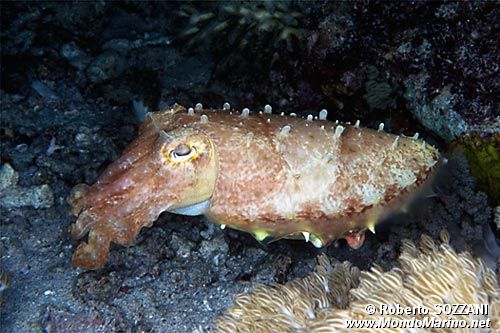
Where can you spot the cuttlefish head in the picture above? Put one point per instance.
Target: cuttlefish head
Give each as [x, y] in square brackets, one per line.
[163, 171]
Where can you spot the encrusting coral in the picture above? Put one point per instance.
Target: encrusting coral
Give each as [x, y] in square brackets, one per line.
[483, 154]
[429, 275]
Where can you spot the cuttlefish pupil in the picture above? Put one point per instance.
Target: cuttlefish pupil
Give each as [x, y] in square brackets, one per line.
[182, 150]
[182, 153]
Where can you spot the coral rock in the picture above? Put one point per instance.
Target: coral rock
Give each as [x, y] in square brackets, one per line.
[13, 196]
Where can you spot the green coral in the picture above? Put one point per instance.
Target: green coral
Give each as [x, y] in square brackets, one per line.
[483, 155]
[244, 34]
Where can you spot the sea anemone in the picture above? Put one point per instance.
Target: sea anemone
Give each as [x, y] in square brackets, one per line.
[244, 34]
[432, 276]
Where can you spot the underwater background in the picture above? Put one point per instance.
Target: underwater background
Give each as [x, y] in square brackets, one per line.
[77, 79]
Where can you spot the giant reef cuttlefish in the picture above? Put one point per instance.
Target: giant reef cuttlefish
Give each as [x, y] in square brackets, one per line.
[270, 175]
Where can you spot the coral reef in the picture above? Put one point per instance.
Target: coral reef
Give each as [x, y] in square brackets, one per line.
[429, 277]
[67, 113]
[252, 172]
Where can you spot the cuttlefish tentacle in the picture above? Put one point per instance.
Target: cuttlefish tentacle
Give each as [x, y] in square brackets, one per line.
[267, 174]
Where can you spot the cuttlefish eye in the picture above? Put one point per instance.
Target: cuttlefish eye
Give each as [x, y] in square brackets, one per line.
[182, 153]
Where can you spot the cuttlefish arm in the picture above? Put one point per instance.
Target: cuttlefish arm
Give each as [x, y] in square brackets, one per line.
[158, 172]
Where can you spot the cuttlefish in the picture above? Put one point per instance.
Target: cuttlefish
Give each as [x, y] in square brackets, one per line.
[274, 176]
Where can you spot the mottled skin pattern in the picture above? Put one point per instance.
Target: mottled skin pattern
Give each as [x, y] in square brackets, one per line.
[270, 175]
